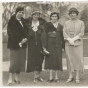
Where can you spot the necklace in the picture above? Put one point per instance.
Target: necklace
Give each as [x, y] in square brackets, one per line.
[35, 25]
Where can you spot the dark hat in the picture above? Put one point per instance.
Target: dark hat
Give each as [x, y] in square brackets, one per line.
[52, 13]
[19, 9]
[73, 10]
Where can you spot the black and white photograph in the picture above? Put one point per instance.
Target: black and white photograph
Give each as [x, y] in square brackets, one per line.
[45, 43]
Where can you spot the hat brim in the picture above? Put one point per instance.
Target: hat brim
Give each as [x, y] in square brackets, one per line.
[34, 12]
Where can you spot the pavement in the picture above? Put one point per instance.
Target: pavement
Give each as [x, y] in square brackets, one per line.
[6, 64]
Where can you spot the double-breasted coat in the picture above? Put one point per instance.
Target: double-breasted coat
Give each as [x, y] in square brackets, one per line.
[54, 44]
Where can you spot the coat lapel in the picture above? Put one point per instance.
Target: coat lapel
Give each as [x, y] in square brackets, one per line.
[58, 27]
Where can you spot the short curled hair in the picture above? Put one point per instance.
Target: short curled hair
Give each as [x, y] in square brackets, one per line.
[73, 10]
[53, 14]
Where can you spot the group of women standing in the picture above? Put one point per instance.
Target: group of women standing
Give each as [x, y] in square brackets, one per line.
[47, 39]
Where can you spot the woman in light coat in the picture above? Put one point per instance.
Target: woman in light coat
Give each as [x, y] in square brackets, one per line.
[73, 31]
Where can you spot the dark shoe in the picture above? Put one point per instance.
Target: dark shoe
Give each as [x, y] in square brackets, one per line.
[56, 80]
[40, 79]
[35, 80]
[50, 81]
[69, 80]
[17, 81]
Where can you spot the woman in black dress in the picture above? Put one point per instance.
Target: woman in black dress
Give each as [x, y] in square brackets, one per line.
[17, 31]
[54, 46]
[35, 57]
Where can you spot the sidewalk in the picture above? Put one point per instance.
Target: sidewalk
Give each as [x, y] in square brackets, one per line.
[7, 63]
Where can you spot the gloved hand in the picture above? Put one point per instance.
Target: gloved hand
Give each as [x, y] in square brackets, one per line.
[44, 49]
[22, 42]
[71, 41]
[75, 38]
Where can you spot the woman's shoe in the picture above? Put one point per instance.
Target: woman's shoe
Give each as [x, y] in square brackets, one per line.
[56, 80]
[69, 80]
[77, 81]
[40, 79]
[35, 80]
[17, 81]
[50, 81]
[9, 83]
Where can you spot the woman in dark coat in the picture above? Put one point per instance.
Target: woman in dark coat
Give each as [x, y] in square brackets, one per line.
[54, 45]
[35, 57]
[17, 31]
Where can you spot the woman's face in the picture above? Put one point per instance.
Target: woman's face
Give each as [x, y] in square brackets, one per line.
[73, 15]
[35, 16]
[54, 18]
[20, 14]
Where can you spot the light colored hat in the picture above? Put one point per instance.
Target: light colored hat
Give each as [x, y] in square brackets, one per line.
[36, 11]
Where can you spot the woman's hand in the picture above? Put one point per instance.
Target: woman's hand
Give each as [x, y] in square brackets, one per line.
[22, 42]
[71, 41]
[46, 52]
[76, 38]
[44, 49]
[25, 39]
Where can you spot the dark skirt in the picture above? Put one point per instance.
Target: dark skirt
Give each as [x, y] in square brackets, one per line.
[17, 60]
[54, 60]
[35, 58]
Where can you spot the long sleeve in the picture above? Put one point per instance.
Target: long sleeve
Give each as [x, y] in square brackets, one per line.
[81, 33]
[44, 36]
[64, 32]
[9, 28]
[44, 39]
[63, 42]
[25, 28]
[28, 23]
